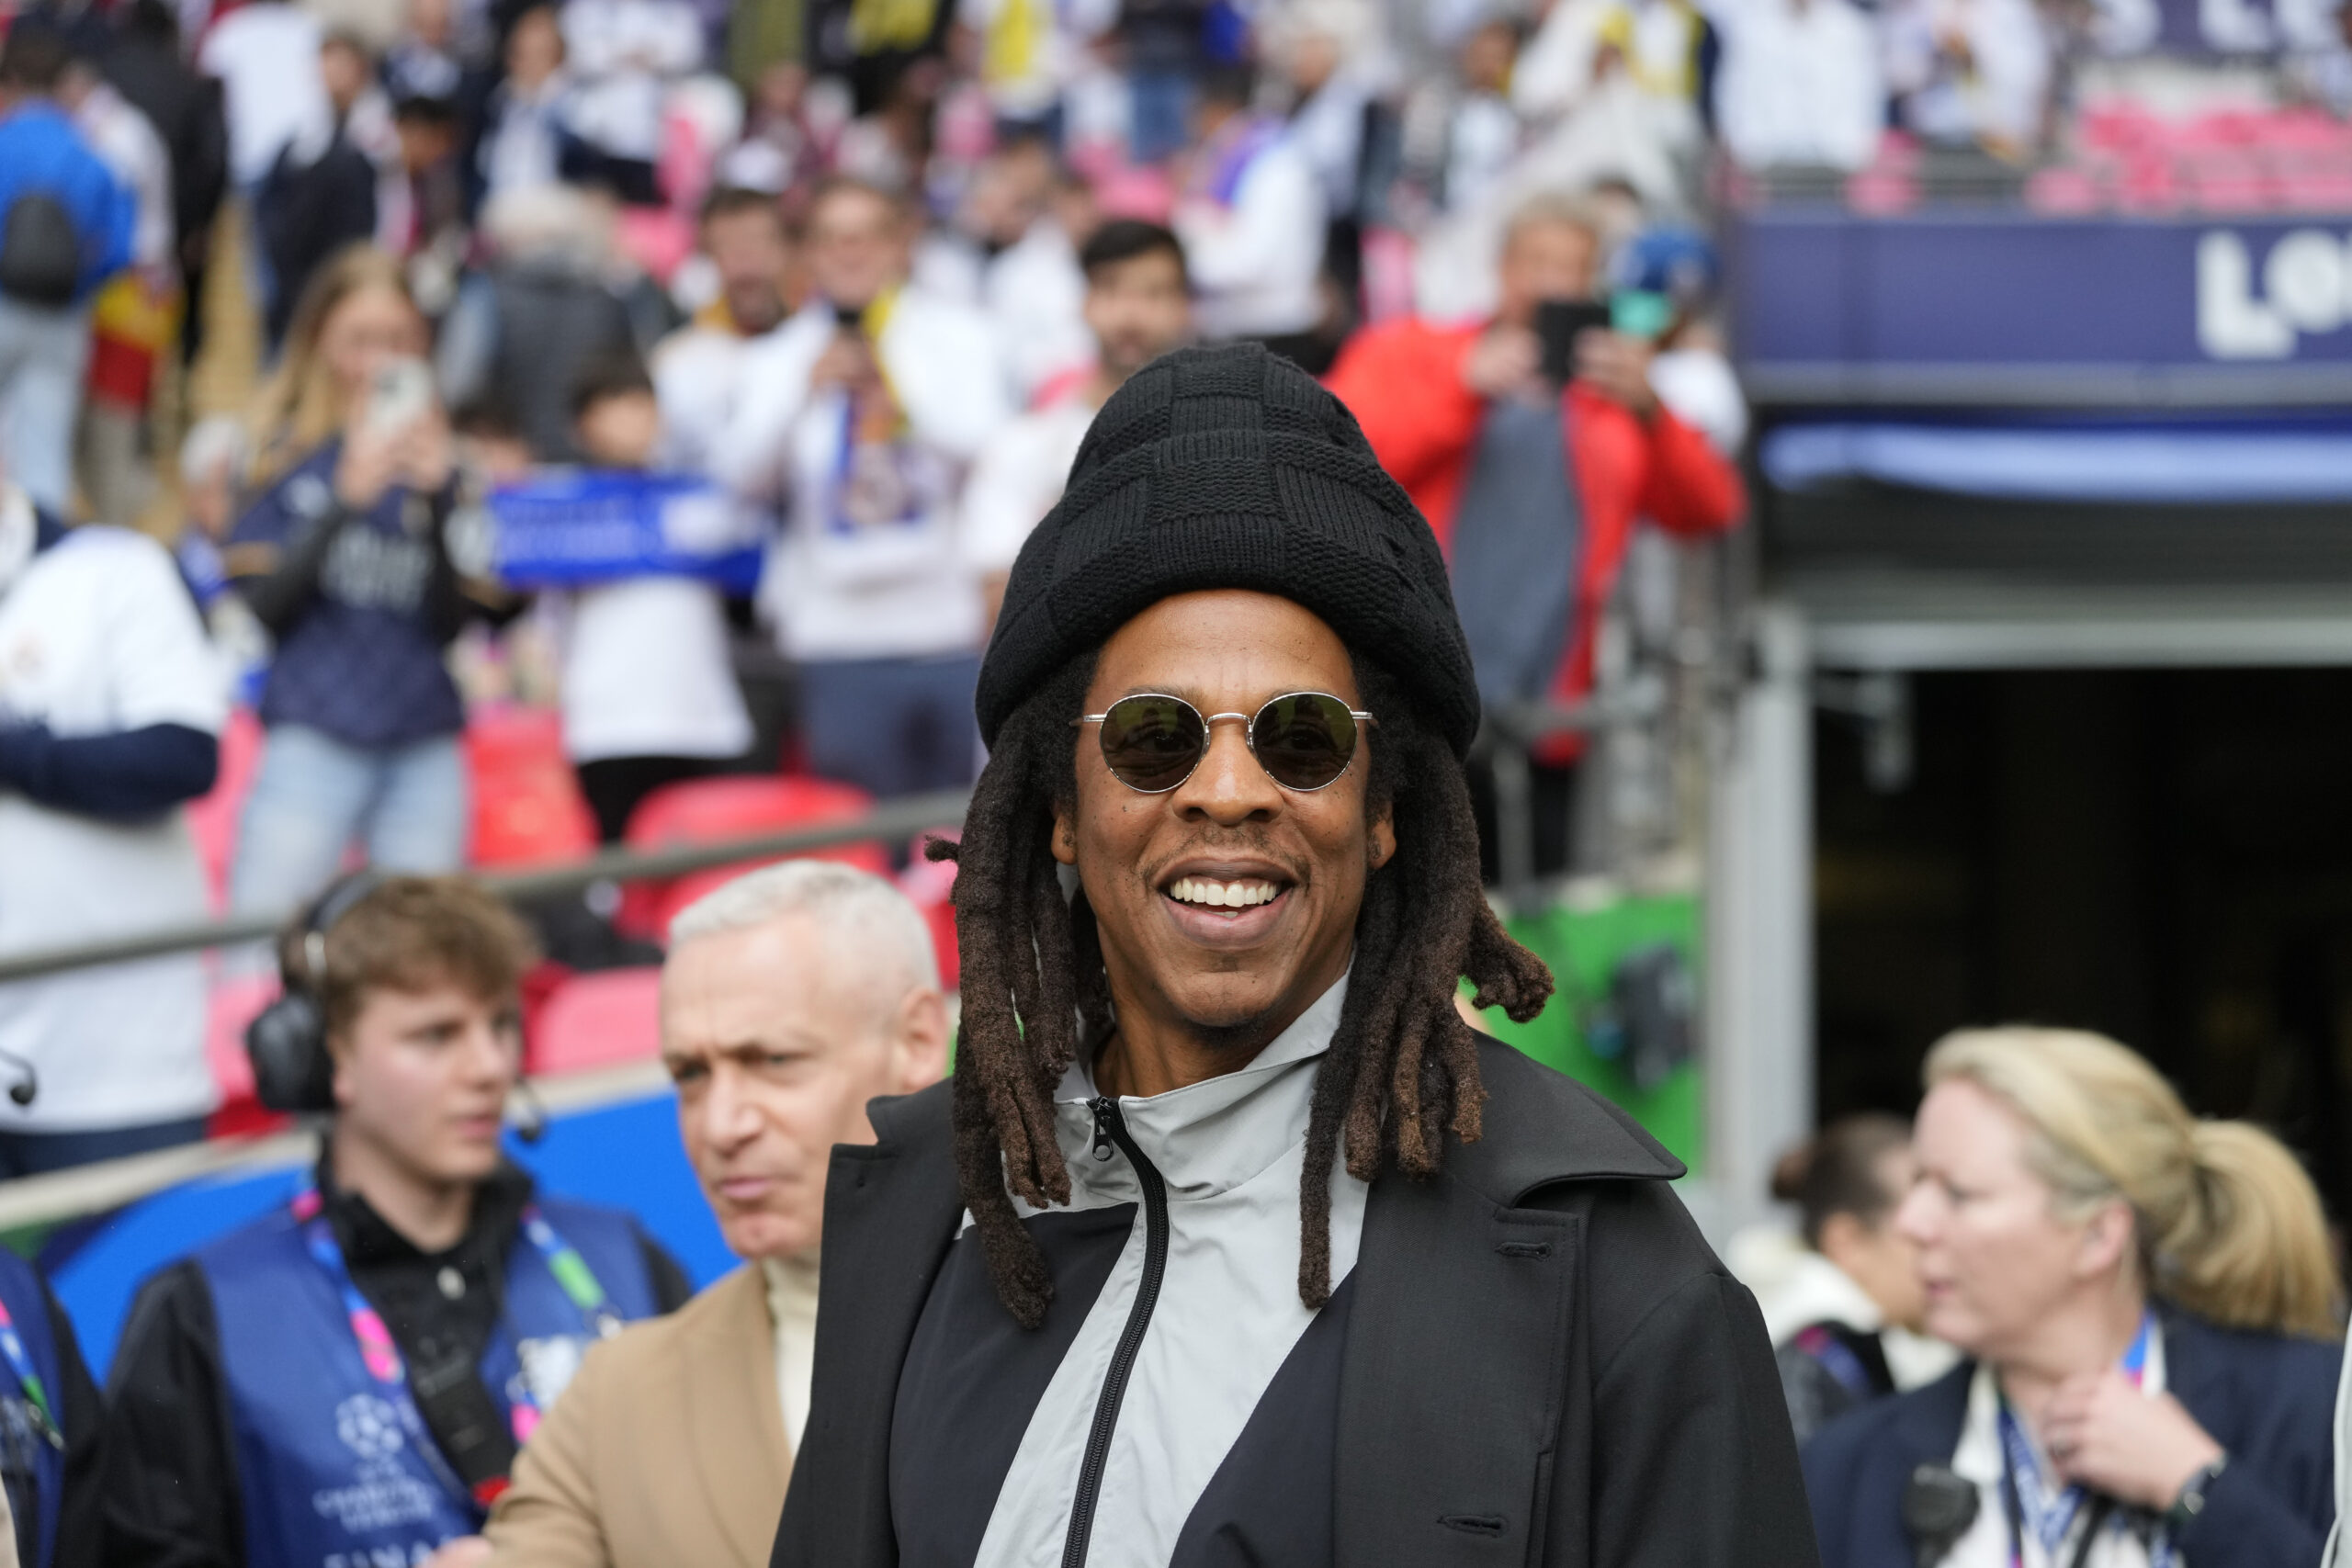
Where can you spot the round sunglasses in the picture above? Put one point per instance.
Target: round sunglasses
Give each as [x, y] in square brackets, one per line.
[1151, 741]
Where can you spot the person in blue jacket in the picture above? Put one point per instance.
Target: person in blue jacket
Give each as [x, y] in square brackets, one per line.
[345, 1382]
[49, 1426]
[2148, 1302]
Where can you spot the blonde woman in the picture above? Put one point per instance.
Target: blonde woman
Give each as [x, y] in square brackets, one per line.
[2149, 1307]
[343, 558]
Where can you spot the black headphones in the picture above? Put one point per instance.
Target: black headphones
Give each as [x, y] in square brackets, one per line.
[288, 1040]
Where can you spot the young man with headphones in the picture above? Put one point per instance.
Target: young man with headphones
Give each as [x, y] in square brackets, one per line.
[346, 1381]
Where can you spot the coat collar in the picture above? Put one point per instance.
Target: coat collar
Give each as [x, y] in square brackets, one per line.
[1542, 1127]
[738, 1435]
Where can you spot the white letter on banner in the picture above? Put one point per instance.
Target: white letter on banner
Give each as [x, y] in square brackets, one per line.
[2230, 323]
[2304, 279]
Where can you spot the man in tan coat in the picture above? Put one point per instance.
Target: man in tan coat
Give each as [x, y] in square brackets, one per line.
[792, 996]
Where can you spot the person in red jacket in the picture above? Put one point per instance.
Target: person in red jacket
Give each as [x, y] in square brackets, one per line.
[1534, 488]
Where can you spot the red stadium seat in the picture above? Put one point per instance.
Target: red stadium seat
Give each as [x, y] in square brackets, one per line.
[597, 1019]
[528, 808]
[213, 819]
[702, 811]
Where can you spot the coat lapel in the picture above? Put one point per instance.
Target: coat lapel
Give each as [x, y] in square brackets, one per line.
[729, 1367]
[891, 1213]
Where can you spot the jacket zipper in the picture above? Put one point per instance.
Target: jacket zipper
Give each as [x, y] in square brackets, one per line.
[1110, 1130]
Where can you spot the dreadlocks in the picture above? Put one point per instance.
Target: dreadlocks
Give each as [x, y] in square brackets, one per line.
[1402, 1068]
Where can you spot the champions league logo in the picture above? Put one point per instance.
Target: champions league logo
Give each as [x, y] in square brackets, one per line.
[369, 1427]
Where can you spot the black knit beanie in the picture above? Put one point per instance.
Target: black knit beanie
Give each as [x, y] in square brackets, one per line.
[1230, 467]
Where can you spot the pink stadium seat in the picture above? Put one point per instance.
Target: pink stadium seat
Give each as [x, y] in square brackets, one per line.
[213, 819]
[702, 811]
[527, 809]
[929, 883]
[597, 1019]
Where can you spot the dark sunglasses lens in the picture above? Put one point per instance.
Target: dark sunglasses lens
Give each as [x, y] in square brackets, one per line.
[1304, 740]
[1152, 743]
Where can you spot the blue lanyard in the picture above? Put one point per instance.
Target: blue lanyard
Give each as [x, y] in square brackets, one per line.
[383, 1357]
[2025, 1495]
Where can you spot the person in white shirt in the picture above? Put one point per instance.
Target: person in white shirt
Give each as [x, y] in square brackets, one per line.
[111, 706]
[1252, 215]
[522, 132]
[698, 370]
[266, 55]
[858, 418]
[1139, 306]
[649, 691]
[624, 55]
[1969, 72]
[1800, 85]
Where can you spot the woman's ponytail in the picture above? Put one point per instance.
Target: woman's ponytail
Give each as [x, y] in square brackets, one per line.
[2250, 1249]
[2230, 1226]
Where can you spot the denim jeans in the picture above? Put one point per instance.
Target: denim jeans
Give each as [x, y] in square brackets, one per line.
[42, 356]
[1159, 109]
[891, 725]
[408, 808]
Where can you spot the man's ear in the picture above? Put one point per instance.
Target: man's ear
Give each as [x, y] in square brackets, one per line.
[922, 1041]
[1065, 840]
[1383, 838]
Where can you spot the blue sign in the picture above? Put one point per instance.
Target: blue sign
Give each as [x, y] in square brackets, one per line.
[574, 528]
[2012, 310]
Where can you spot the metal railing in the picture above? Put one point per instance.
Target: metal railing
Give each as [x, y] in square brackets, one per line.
[891, 821]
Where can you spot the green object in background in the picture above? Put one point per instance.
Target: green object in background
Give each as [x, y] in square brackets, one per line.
[1584, 946]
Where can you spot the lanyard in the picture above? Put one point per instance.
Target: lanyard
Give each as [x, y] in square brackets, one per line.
[2023, 1494]
[20, 1361]
[383, 1357]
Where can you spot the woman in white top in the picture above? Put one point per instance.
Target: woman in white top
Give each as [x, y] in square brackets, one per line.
[2142, 1294]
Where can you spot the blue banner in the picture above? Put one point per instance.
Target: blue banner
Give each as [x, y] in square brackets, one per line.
[574, 528]
[2010, 310]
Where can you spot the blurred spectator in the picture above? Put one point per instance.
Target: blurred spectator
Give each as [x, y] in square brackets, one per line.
[2322, 74]
[147, 65]
[1031, 50]
[858, 419]
[320, 194]
[419, 1304]
[1671, 275]
[1139, 306]
[2148, 1302]
[1968, 73]
[1533, 486]
[264, 54]
[1841, 1299]
[424, 62]
[1251, 217]
[52, 1417]
[791, 997]
[1333, 68]
[111, 707]
[1163, 44]
[543, 307]
[134, 315]
[1800, 85]
[1654, 46]
[698, 370]
[623, 56]
[345, 560]
[521, 146]
[1461, 132]
[649, 696]
[66, 225]
[1022, 223]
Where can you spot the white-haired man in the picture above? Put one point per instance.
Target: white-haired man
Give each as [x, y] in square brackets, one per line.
[792, 996]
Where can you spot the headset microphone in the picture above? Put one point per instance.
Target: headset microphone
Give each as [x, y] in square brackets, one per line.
[26, 1088]
[530, 1114]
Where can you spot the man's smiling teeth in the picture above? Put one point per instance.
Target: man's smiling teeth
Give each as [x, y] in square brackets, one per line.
[1222, 895]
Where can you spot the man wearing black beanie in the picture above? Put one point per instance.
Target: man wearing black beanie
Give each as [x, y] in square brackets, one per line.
[1229, 1242]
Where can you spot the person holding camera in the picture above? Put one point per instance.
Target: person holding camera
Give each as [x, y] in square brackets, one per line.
[345, 560]
[2148, 1302]
[349, 1378]
[1534, 440]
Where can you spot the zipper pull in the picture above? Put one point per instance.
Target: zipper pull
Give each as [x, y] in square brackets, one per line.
[1106, 1116]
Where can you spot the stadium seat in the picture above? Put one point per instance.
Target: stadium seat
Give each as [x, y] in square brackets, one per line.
[597, 1019]
[527, 809]
[702, 811]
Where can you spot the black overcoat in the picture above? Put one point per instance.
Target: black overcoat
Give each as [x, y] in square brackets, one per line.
[1545, 1365]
